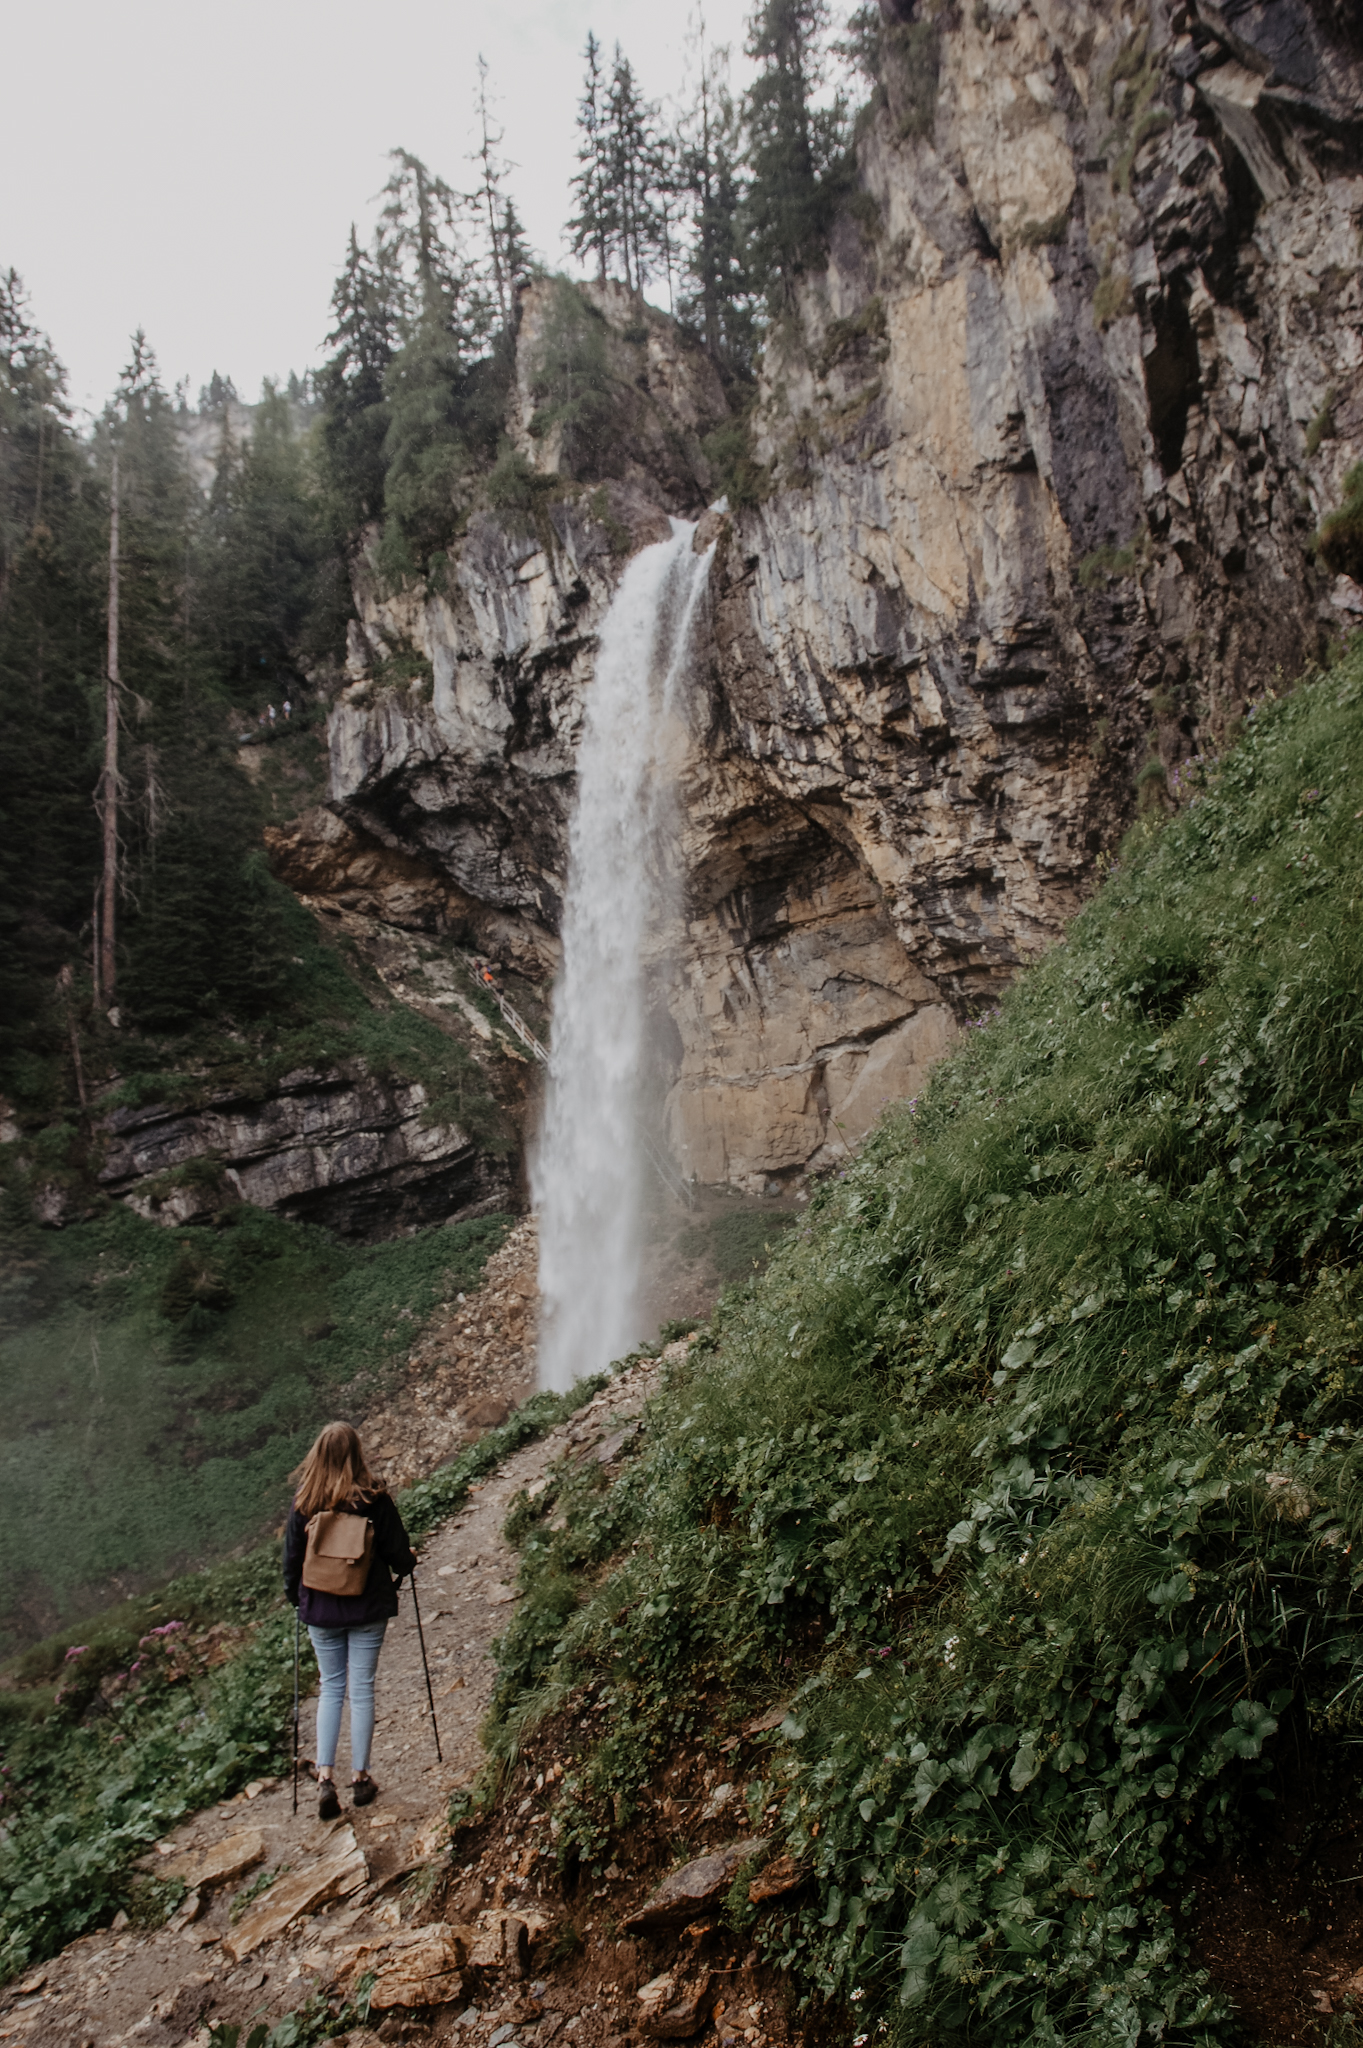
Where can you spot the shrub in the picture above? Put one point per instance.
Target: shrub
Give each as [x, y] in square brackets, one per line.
[1340, 540]
[572, 385]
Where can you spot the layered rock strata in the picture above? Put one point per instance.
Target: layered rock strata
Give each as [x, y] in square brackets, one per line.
[330, 1146]
[1042, 452]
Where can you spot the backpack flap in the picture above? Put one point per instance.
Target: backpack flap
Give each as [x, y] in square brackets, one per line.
[339, 1551]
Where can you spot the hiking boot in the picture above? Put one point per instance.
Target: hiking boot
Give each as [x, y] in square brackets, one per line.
[328, 1804]
[364, 1791]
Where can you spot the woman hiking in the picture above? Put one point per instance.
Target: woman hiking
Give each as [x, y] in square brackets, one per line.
[343, 1529]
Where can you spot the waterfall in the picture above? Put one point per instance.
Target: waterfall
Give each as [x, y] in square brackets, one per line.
[588, 1176]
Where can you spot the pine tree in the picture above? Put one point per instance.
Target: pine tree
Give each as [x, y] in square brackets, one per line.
[716, 295]
[423, 239]
[630, 144]
[626, 180]
[517, 254]
[595, 226]
[210, 931]
[493, 202]
[364, 338]
[797, 151]
[52, 530]
[450, 321]
[261, 549]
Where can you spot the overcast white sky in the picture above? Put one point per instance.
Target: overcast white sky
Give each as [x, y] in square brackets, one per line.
[194, 170]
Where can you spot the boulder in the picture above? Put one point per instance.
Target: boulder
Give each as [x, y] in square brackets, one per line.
[669, 2013]
[222, 1862]
[418, 1966]
[611, 1447]
[501, 1942]
[783, 1874]
[698, 1884]
[488, 1412]
[335, 1875]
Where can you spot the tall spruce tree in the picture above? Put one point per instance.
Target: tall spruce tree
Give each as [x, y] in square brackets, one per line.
[52, 532]
[715, 293]
[797, 148]
[450, 319]
[201, 921]
[642, 174]
[493, 203]
[594, 227]
[366, 331]
[626, 179]
[261, 548]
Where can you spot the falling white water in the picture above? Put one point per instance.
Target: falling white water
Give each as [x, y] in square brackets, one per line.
[588, 1176]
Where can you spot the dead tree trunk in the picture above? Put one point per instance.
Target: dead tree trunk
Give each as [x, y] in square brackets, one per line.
[109, 779]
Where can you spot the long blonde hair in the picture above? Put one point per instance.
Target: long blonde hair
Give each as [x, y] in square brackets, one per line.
[334, 1471]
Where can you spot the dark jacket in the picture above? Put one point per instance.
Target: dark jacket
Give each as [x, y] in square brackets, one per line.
[392, 1554]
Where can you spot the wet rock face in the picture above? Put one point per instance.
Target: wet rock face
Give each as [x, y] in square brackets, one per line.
[339, 1148]
[1046, 443]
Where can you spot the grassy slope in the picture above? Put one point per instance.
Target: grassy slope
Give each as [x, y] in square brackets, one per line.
[134, 1443]
[1028, 1474]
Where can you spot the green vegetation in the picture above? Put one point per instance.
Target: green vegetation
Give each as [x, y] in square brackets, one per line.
[728, 449]
[799, 164]
[219, 605]
[160, 1385]
[624, 174]
[321, 2019]
[1036, 234]
[1108, 562]
[1340, 540]
[1130, 86]
[1322, 427]
[113, 1737]
[1113, 297]
[735, 1242]
[902, 60]
[1027, 1477]
[576, 396]
[861, 332]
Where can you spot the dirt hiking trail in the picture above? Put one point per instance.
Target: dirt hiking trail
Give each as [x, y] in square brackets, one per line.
[115, 1987]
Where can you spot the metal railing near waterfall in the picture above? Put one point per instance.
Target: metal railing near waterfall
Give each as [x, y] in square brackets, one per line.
[511, 1016]
[667, 1173]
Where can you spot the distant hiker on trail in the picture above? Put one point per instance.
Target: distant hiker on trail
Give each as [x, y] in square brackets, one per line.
[288, 708]
[343, 1542]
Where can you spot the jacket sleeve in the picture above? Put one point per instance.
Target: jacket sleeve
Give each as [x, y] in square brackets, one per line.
[390, 1538]
[295, 1549]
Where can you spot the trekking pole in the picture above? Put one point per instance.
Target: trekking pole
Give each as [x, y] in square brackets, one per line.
[425, 1667]
[297, 1631]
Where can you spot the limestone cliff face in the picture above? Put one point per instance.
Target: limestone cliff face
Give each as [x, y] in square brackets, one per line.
[1045, 446]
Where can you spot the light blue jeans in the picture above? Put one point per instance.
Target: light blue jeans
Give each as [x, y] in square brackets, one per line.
[347, 1659]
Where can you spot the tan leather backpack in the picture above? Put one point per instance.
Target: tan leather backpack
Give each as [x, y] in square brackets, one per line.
[339, 1550]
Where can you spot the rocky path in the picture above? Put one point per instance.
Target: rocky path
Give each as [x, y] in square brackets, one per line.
[337, 1889]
